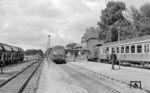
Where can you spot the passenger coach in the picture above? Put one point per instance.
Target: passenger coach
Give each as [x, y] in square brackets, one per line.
[136, 50]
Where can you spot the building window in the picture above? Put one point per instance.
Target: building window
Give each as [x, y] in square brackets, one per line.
[117, 49]
[127, 49]
[122, 49]
[133, 49]
[139, 48]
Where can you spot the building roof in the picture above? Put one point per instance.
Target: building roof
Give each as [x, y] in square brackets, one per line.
[91, 33]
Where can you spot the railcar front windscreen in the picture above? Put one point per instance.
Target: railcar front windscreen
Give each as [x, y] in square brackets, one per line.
[55, 52]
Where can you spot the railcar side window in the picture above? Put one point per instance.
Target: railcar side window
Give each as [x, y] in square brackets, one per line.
[122, 49]
[127, 49]
[139, 48]
[117, 49]
[133, 49]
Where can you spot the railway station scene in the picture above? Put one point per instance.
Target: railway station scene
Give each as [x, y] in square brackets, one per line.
[74, 46]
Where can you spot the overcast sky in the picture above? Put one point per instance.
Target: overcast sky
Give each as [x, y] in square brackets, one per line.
[26, 23]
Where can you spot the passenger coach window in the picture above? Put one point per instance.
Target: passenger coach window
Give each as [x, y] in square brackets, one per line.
[122, 49]
[127, 49]
[117, 49]
[107, 50]
[133, 49]
[147, 48]
[139, 48]
[113, 49]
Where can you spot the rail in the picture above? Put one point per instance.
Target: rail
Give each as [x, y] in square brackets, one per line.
[33, 67]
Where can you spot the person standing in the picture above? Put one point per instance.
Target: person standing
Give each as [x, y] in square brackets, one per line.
[113, 59]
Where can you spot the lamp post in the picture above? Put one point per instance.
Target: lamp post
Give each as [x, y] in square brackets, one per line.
[49, 36]
[119, 27]
[118, 44]
[48, 47]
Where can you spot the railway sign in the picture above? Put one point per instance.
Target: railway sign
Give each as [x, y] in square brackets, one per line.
[135, 84]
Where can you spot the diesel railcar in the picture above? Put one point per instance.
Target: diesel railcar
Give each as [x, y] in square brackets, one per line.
[10, 54]
[57, 54]
[135, 50]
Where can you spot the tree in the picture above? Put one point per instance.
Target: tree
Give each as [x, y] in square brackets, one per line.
[110, 15]
[145, 9]
[141, 20]
[113, 20]
[34, 52]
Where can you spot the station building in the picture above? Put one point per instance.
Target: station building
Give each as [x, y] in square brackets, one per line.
[91, 42]
[76, 53]
[89, 45]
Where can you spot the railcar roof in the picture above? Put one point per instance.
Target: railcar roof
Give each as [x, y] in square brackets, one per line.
[58, 47]
[137, 39]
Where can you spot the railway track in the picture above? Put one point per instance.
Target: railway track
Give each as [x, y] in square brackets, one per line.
[18, 82]
[98, 82]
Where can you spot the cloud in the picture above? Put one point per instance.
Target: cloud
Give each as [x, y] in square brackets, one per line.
[27, 23]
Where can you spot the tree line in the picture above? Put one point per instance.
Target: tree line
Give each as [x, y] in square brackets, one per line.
[33, 52]
[117, 22]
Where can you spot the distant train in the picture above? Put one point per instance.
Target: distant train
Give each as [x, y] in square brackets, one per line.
[135, 50]
[57, 54]
[10, 54]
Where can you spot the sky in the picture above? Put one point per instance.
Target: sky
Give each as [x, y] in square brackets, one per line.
[27, 23]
